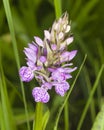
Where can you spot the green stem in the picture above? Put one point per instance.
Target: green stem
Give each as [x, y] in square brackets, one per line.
[99, 91]
[12, 32]
[38, 117]
[58, 8]
[66, 116]
[90, 98]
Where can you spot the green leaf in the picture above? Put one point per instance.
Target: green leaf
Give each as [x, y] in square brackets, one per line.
[99, 121]
[6, 115]
[37, 124]
[45, 119]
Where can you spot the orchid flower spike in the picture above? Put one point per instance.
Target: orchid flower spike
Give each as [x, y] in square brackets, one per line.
[49, 61]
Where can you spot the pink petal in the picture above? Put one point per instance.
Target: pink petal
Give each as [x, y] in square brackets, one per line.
[39, 41]
[72, 54]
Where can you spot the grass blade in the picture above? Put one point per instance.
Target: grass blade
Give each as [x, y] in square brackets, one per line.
[90, 98]
[66, 98]
[12, 32]
[58, 8]
[5, 110]
[45, 119]
[66, 116]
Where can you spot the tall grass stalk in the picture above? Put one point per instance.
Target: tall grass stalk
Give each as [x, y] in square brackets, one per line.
[99, 88]
[58, 8]
[6, 114]
[90, 98]
[66, 116]
[12, 32]
[67, 96]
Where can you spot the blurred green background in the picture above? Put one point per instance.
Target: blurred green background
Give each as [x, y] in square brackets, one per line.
[31, 18]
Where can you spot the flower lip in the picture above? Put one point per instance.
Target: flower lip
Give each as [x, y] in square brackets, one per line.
[26, 74]
[61, 87]
[40, 95]
[68, 56]
[61, 74]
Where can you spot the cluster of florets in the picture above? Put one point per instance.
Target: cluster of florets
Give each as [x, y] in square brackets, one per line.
[48, 61]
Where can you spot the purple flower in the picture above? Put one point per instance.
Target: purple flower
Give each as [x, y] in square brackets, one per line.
[61, 87]
[40, 95]
[60, 74]
[26, 74]
[69, 70]
[31, 54]
[67, 56]
[48, 60]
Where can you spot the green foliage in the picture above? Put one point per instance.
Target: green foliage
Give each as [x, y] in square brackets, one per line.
[19, 22]
[6, 115]
[90, 98]
[45, 119]
[58, 8]
[99, 121]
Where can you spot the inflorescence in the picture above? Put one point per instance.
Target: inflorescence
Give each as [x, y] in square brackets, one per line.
[48, 61]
